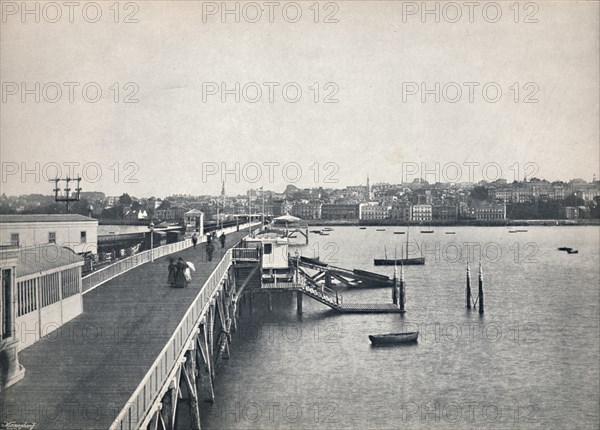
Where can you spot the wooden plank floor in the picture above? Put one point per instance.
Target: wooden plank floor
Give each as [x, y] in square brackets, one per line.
[80, 376]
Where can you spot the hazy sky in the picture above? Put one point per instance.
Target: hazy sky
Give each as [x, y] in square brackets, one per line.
[179, 135]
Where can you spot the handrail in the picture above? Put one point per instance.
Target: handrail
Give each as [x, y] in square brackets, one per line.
[140, 403]
[246, 254]
[323, 291]
[105, 274]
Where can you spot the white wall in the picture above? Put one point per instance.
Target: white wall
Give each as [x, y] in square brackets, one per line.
[67, 234]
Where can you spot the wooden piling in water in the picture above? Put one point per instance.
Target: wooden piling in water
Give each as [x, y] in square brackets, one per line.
[299, 302]
[481, 309]
[401, 297]
[395, 287]
[468, 287]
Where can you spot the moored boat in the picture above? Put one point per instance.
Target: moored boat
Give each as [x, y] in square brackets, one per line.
[394, 338]
[399, 261]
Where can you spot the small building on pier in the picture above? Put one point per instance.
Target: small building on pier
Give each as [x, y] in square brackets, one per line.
[274, 258]
[48, 291]
[76, 232]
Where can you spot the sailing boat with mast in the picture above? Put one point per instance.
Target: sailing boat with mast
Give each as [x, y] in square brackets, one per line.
[399, 261]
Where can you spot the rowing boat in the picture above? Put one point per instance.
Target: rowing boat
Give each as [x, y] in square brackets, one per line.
[394, 338]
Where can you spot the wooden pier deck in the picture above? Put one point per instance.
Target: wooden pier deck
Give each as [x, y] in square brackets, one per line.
[81, 376]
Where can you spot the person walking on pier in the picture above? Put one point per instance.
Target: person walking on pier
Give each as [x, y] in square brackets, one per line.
[181, 280]
[172, 272]
[195, 239]
[209, 250]
[222, 240]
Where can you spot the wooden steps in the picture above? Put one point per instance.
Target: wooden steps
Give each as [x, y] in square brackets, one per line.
[333, 302]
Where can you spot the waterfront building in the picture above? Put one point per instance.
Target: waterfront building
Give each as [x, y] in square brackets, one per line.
[307, 211]
[171, 214]
[400, 211]
[487, 211]
[571, 212]
[279, 208]
[421, 212]
[77, 232]
[444, 212]
[373, 211]
[340, 212]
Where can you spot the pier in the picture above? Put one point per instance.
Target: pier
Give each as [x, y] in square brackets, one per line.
[141, 352]
[133, 348]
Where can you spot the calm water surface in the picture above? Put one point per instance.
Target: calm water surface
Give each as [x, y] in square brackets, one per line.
[532, 361]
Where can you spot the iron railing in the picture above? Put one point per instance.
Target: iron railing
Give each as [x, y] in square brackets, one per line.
[155, 382]
[107, 273]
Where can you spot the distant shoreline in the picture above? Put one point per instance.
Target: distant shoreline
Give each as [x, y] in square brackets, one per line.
[393, 223]
[460, 223]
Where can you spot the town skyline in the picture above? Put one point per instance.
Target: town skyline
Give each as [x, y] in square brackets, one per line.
[241, 188]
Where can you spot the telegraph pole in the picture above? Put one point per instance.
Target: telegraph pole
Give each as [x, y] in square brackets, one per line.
[67, 197]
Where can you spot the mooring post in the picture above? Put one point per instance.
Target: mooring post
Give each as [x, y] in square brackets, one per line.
[468, 287]
[481, 310]
[395, 287]
[401, 298]
[299, 301]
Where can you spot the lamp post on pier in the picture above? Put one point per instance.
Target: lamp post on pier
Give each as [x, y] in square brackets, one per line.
[250, 211]
[262, 191]
[151, 228]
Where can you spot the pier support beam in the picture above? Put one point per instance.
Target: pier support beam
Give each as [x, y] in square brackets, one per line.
[205, 364]
[189, 376]
[169, 405]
